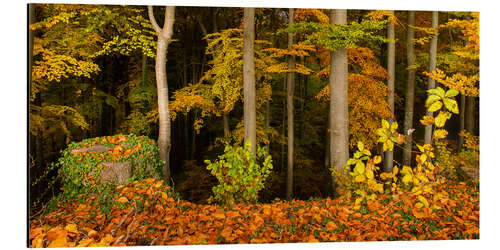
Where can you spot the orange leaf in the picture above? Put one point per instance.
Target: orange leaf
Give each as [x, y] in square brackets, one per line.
[122, 199]
[85, 242]
[219, 216]
[59, 242]
[93, 234]
[72, 228]
[36, 231]
[38, 241]
[331, 226]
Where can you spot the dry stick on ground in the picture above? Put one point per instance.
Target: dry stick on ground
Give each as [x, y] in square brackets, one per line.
[113, 232]
[130, 226]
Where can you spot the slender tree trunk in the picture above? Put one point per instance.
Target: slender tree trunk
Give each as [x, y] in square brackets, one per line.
[164, 38]
[391, 62]
[268, 122]
[327, 144]
[249, 78]
[410, 89]
[432, 66]
[290, 85]
[462, 122]
[469, 115]
[339, 115]
[284, 128]
[225, 117]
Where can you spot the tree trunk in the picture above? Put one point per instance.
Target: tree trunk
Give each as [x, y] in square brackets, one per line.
[391, 62]
[469, 115]
[283, 122]
[290, 85]
[225, 117]
[249, 78]
[268, 122]
[327, 144]
[410, 89]
[164, 38]
[462, 122]
[339, 116]
[432, 66]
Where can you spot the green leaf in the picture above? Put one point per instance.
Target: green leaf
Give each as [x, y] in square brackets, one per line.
[451, 93]
[451, 105]
[431, 99]
[435, 106]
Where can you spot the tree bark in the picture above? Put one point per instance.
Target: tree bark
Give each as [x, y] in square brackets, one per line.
[391, 62]
[432, 66]
[268, 122]
[462, 122]
[164, 38]
[410, 89]
[469, 115]
[249, 78]
[290, 85]
[339, 116]
[225, 117]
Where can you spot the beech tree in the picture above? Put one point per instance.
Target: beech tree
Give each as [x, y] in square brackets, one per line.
[410, 88]
[339, 115]
[391, 61]
[290, 84]
[249, 113]
[164, 38]
[432, 66]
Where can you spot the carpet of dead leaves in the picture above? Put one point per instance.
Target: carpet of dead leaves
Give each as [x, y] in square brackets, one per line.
[147, 215]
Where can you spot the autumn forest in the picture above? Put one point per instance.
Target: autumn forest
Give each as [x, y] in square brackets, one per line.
[171, 125]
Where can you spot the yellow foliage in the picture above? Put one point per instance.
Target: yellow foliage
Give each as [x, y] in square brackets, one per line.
[367, 96]
[468, 86]
[304, 15]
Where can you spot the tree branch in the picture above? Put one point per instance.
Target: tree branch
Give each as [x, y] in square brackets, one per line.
[152, 19]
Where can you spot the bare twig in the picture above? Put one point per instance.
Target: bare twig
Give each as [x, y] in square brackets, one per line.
[130, 226]
[113, 232]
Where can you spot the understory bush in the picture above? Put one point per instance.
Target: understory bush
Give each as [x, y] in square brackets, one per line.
[241, 174]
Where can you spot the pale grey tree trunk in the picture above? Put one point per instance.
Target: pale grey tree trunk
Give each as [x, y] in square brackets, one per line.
[339, 115]
[249, 77]
[164, 39]
[432, 66]
[391, 62]
[410, 89]
[290, 85]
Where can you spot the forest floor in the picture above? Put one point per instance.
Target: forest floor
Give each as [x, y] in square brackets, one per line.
[148, 214]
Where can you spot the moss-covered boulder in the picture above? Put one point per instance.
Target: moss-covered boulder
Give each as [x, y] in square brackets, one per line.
[98, 164]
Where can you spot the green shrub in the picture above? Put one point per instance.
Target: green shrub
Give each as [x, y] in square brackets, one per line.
[239, 173]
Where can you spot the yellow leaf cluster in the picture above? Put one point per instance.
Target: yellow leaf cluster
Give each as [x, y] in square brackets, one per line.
[465, 85]
[315, 15]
